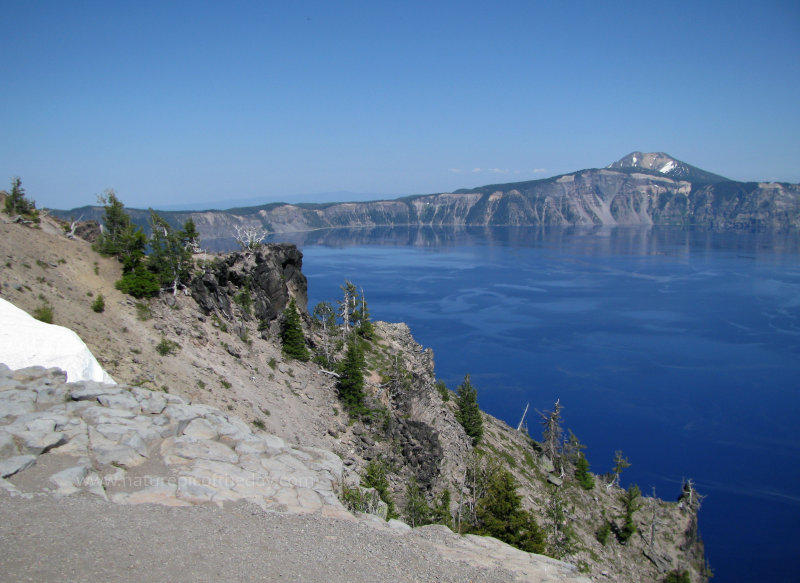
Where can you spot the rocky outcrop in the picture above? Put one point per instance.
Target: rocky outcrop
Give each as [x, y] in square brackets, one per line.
[134, 446]
[254, 283]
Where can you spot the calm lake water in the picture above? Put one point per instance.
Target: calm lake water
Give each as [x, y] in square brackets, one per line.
[679, 347]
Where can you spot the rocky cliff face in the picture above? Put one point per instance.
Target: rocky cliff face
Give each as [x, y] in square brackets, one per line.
[639, 189]
[264, 279]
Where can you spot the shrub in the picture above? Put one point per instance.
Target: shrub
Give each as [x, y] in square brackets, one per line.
[375, 477]
[443, 392]
[167, 347]
[603, 532]
[44, 313]
[143, 312]
[99, 304]
[677, 576]
[139, 283]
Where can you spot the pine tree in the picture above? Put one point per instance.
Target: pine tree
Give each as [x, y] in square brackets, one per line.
[620, 463]
[630, 500]
[375, 477]
[500, 514]
[170, 259]
[417, 511]
[440, 513]
[585, 479]
[16, 201]
[191, 237]
[468, 413]
[351, 377]
[294, 342]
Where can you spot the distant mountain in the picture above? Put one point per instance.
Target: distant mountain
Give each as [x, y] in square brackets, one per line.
[639, 189]
[666, 165]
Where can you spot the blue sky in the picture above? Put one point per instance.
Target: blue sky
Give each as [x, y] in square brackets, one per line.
[186, 103]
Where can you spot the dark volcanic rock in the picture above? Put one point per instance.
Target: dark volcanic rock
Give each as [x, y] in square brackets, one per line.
[270, 275]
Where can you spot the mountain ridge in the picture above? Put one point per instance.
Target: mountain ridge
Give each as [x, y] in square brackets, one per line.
[638, 189]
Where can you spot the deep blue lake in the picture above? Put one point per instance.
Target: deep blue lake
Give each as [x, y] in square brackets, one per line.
[679, 347]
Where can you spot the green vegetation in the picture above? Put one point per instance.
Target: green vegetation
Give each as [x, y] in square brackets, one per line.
[170, 258]
[351, 378]
[99, 304]
[440, 513]
[169, 264]
[416, 510]
[585, 479]
[468, 413]
[375, 477]
[603, 532]
[677, 576]
[630, 500]
[444, 392]
[44, 313]
[294, 342]
[167, 347]
[620, 463]
[143, 311]
[18, 204]
[500, 514]
[245, 300]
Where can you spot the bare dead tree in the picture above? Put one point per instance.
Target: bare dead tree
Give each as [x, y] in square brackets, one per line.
[73, 225]
[552, 434]
[249, 237]
[654, 521]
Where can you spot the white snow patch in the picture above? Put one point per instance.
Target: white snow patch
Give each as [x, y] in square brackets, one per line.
[634, 161]
[668, 166]
[25, 341]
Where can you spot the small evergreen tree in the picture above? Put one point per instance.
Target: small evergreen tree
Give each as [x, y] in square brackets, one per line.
[630, 500]
[118, 231]
[440, 514]
[375, 477]
[294, 342]
[361, 317]
[620, 463]
[191, 237]
[468, 413]
[500, 514]
[17, 203]
[170, 259]
[99, 304]
[585, 479]
[417, 511]
[351, 377]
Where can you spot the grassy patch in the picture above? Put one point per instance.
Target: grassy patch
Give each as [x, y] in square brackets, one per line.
[44, 313]
[167, 347]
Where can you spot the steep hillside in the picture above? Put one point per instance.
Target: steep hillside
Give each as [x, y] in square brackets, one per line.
[218, 344]
[639, 189]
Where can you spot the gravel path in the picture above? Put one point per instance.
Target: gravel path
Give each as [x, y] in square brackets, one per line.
[83, 539]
